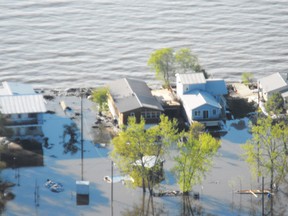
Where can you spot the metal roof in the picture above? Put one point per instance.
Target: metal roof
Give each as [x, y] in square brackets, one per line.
[17, 104]
[199, 98]
[192, 78]
[130, 94]
[272, 82]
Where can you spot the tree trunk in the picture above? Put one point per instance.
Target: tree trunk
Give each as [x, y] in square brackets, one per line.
[271, 190]
[143, 185]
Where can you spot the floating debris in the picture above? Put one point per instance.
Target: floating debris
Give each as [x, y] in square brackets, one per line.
[54, 186]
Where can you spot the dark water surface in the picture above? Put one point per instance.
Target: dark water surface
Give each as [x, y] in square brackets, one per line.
[59, 43]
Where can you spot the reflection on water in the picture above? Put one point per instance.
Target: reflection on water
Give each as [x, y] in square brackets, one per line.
[146, 206]
[182, 205]
[82, 199]
[23, 153]
[70, 139]
[5, 195]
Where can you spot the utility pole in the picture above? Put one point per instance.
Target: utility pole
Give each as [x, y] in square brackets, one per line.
[81, 135]
[112, 188]
[263, 196]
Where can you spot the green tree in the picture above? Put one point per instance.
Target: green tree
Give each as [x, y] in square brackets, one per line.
[187, 61]
[265, 152]
[100, 95]
[196, 152]
[162, 61]
[275, 104]
[247, 78]
[165, 62]
[134, 143]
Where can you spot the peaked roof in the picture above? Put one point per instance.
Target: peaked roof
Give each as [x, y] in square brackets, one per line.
[199, 98]
[272, 82]
[130, 94]
[17, 98]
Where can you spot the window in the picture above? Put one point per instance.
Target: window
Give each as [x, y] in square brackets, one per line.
[197, 113]
[32, 115]
[19, 116]
[132, 114]
[148, 115]
[214, 111]
[158, 114]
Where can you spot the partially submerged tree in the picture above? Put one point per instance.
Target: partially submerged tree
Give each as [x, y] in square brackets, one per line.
[265, 151]
[247, 78]
[99, 95]
[196, 151]
[165, 62]
[275, 104]
[138, 152]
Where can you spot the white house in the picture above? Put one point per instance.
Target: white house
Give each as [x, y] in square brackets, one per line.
[274, 83]
[22, 108]
[203, 99]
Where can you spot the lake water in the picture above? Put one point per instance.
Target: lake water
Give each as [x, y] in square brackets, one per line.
[63, 43]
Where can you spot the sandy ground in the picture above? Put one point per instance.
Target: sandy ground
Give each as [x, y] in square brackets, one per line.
[217, 197]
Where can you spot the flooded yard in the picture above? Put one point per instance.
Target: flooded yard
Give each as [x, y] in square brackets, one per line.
[62, 164]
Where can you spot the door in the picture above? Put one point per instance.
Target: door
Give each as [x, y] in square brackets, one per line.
[205, 114]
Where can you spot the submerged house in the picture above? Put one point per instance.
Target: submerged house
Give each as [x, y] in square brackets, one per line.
[274, 83]
[22, 108]
[129, 97]
[202, 99]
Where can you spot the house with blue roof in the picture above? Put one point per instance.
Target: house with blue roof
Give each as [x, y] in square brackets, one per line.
[202, 99]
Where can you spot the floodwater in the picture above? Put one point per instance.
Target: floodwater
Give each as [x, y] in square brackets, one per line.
[62, 164]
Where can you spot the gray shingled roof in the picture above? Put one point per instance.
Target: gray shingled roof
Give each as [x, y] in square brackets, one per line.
[130, 94]
[272, 82]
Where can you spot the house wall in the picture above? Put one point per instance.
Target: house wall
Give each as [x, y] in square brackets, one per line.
[211, 112]
[179, 87]
[24, 124]
[114, 110]
[23, 119]
[191, 87]
[185, 88]
[151, 116]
